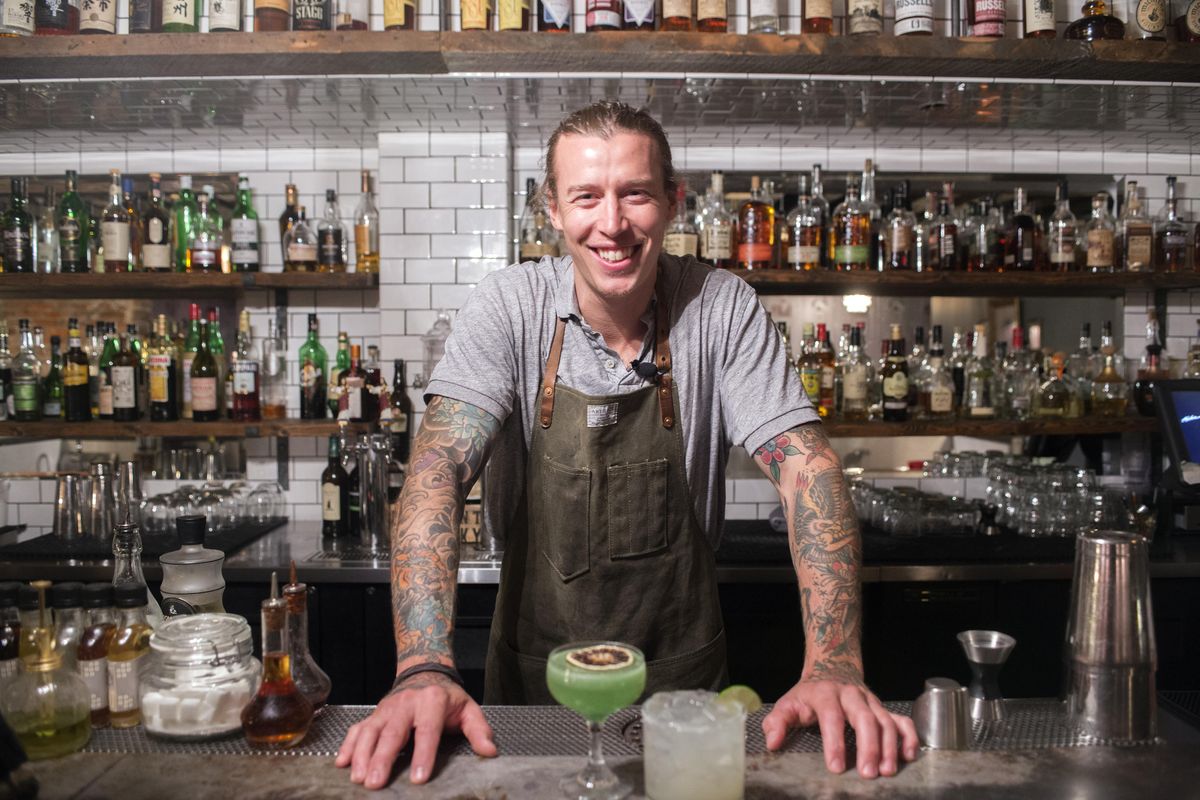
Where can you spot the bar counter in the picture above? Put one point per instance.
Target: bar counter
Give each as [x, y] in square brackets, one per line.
[539, 745]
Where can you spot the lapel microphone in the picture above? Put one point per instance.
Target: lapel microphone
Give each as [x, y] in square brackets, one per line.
[645, 369]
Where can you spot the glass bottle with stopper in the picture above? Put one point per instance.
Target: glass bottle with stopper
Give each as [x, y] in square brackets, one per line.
[192, 581]
[46, 705]
[127, 565]
[309, 678]
[279, 715]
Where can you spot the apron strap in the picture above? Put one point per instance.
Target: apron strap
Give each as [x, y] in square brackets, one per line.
[662, 350]
[550, 376]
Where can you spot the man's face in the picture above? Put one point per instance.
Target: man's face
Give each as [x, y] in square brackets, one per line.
[613, 211]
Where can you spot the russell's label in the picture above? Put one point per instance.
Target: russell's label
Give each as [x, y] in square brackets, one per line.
[95, 677]
[1137, 249]
[914, 16]
[818, 9]
[123, 684]
[989, 18]
[865, 16]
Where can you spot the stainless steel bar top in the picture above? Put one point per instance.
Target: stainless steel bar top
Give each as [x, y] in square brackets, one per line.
[1032, 755]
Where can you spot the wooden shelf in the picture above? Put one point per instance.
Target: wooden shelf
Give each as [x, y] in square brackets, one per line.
[381, 53]
[965, 284]
[174, 284]
[223, 429]
[994, 428]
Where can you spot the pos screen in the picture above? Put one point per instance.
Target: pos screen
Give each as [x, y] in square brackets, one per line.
[1178, 406]
[1187, 417]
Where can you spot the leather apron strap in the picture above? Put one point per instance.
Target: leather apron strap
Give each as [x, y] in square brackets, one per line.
[550, 375]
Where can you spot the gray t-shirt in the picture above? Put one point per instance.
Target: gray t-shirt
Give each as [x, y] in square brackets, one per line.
[731, 371]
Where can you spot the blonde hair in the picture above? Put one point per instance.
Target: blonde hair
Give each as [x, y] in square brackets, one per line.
[603, 119]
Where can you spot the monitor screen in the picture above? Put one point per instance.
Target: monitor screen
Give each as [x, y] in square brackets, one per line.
[1187, 413]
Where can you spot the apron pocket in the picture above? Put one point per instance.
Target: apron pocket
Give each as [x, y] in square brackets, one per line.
[637, 509]
[564, 513]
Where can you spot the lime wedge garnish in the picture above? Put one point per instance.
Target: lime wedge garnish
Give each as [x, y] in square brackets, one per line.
[744, 696]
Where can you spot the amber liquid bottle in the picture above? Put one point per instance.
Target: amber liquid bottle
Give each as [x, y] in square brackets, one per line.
[676, 15]
[756, 230]
[712, 16]
[279, 715]
[1187, 24]
[817, 16]
[93, 648]
[129, 645]
[272, 15]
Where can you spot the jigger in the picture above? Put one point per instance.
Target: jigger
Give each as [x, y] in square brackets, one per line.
[986, 652]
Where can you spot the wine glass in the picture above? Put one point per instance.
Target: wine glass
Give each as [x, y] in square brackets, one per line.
[595, 679]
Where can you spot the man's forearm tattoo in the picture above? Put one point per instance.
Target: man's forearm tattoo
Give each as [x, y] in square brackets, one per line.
[448, 452]
[826, 550]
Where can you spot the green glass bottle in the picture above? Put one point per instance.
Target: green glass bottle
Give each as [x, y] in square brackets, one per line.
[186, 213]
[74, 228]
[181, 16]
[313, 361]
[216, 346]
[52, 384]
[76, 403]
[205, 377]
[243, 231]
[17, 231]
[112, 344]
[26, 378]
[191, 345]
[337, 377]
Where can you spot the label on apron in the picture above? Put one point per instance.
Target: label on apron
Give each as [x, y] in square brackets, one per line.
[602, 416]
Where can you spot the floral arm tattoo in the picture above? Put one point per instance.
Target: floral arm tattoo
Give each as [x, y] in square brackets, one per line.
[826, 549]
[448, 452]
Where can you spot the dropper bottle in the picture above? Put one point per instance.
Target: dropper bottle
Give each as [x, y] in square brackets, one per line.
[310, 679]
[279, 715]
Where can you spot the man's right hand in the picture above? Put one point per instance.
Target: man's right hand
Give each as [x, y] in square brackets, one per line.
[426, 703]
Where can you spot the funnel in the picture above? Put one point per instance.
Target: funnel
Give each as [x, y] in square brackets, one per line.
[986, 652]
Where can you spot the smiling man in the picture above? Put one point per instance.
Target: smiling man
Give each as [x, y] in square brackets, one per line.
[604, 390]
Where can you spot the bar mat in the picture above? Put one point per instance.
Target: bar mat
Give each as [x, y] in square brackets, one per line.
[753, 542]
[1184, 704]
[153, 546]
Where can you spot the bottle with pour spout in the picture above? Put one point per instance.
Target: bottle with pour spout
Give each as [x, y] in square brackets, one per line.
[192, 581]
[279, 715]
[127, 566]
[310, 679]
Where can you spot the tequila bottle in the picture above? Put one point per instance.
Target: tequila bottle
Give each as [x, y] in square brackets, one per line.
[1054, 395]
[76, 404]
[1110, 395]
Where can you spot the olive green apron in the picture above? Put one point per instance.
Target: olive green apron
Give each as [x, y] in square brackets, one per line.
[606, 545]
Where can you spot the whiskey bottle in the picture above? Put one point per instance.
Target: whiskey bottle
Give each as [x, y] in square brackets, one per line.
[145, 16]
[827, 374]
[156, 232]
[512, 15]
[1099, 236]
[756, 229]
[852, 230]
[123, 375]
[205, 380]
[899, 232]
[300, 244]
[936, 390]
[331, 237]
[764, 16]
[556, 16]
[822, 203]
[816, 16]
[26, 379]
[366, 229]
[866, 196]
[894, 379]
[114, 228]
[1149, 19]
[676, 15]
[246, 370]
[162, 363]
[289, 217]
[399, 15]
[944, 238]
[181, 16]
[1135, 234]
[1095, 24]
[979, 400]
[74, 228]
[1170, 235]
[1023, 236]
[313, 360]
[1187, 24]
[17, 231]
[400, 428]
[1062, 232]
[806, 232]
[52, 385]
[476, 15]
[129, 647]
[1110, 394]
[310, 15]
[16, 19]
[986, 18]
[335, 491]
[538, 239]
[186, 212]
[716, 227]
[352, 15]
[53, 18]
[243, 230]
[855, 371]
[76, 403]
[914, 18]
[204, 248]
[864, 17]
[272, 15]
[681, 239]
[1038, 22]
[224, 15]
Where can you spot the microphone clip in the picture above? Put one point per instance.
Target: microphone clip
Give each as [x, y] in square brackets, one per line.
[647, 370]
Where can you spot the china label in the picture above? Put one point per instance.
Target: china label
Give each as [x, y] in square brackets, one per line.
[865, 16]
[711, 9]
[677, 8]
[18, 14]
[895, 386]
[854, 385]
[510, 14]
[640, 12]
[474, 15]
[989, 18]
[811, 380]
[717, 243]
[331, 502]
[204, 394]
[224, 15]
[680, 244]
[914, 16]
[124, 387]
[245, 377]
[941, 400]
[178, 12]
[114, 237]
[159, 368]
[123, 684]
[94, 672]
[804, 254]
[1039, 15]
[818, 9]
[603, 14]
[98, 15]
[244, 247]
[1100, 249]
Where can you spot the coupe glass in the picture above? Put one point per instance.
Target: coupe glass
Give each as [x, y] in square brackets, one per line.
[595, 679]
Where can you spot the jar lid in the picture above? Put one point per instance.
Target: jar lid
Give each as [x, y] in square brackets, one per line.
[212, 639]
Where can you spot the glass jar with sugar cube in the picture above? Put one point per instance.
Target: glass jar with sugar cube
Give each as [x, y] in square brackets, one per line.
[202, 673]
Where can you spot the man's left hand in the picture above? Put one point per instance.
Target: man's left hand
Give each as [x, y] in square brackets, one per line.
[879, 734]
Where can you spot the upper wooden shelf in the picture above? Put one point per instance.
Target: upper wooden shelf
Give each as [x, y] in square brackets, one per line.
[994, 428]
[965, 284]
[383, 53]
[184, 429]
[160, 284]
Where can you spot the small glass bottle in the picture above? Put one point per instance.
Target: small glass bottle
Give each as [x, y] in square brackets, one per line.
[1054, 395]
[366, 229]
[273, 395]
[1170, 235]
[1095, 24]
[979, 392]
[1038, 22]
[46, 705]
[331, 237]
[1100, 236]
[1062, 233]
[1110, 394]
[66, 599]
[680, 238]
[756, 229]
[93, 648]
[300, 245]
[126, 654]
[279, 715]
[192, 582]
[310, 679]
[10, 633]
[127, 565]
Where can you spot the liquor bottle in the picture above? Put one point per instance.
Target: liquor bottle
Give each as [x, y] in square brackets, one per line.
[162, 363]
[73, 228]
[1054, 395]
[986, 18]
[52, 384]
[354, 400]
[145, 16]
[1038, 20]
[96, 340]
[156, 232]
[76, 404]
[272, 15]
[246, 370]
[1135, 234]
[26, 379]
[855, 373]
[47, 252]
[936, 390]
[216, 346]
[337, 376]
[1099, 236]
[366, 229]
[851, 230]
[204, 248]
[289, 217]
[41, 350]
[1023, 237]
[681, 239]
[127, 651]
[181, 16]
[476, 15]
[313, 361]
[400, 428]
[916, 366]
[300, 244]
[677, 15]
[331, 237]
[1187, 24]
[135, 224]
[894, 379]
[92, 653]
[139, 350]
[979, 400]
[243, 230]
[56, 17]
[107, 354]
[764, 16]
[899, 232]
[1149, 19]
[756, 229]
[806, 232]
[1081, 363]
[914, 18]
[191, 346]
[310, 15]
[335, 491]
[638, 15]
[864, 17]
[273, 392]
[944, 238]
[352, 15]
[827, 374]
[224, 15]
[114, 228]
[123, 375]
[182, 230]
[716, 227]
[555, 16]
[1170, 235]
[1110, 394]
[1095, 24]
[537, 239]
[1018, 378]
[66, 599]
[816, 16]
[16, 19]
[309, 678]
[924, 244]
[97, 16]
[1062, 231]
[279, 715]
[7, 410]
[512, 15]
[18, 231]
[808, 366]
[205, 378]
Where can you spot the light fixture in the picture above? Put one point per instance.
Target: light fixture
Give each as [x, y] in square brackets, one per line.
[857, 303]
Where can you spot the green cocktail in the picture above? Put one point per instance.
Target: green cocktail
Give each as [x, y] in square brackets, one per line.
[595, 679]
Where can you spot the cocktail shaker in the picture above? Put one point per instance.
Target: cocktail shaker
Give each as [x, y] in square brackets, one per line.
[101, 512]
